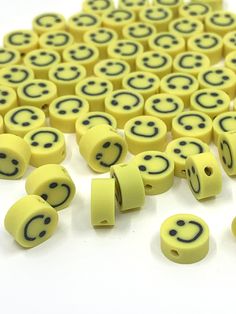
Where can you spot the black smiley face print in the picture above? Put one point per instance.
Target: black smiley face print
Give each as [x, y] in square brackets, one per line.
[221, 19]
[15, 75]
[154, 60]
[112, 68]
[164, 104]
[67, 72]
[186, 147]
[98, 5]
[101, 36]
[111, 148]
[9, 57]
[8, 99]
[125, 49]
[124, 101]
[195, 227]
[186, 27]
[57, 40]
[24, 117]
[49, 21]
[144, 128]
[37, 89]
[191, 121]
[226, 154]
[42, 58]
[191, 62]
[9, 165]
[166, 41]
[119, 16]
[210, 99]
[230, 39]
[82, 53]
[194, 180]
[85, 20]
[56, 193]
[217, 77]
[196, 9]
[132, 4]
[138, 31]
[179, 82]
[94, 87]
[156, 14]
[44, 139]
[19, 39]
[43, 220]
[153, 164]
[225, 122]
[206, 41]
[141, 81]
[67, 106]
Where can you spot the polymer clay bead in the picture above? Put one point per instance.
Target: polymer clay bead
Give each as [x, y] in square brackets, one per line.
[15, 75]
[48, 22]
[184, 238]
[186, 27]
[158, 16]
[192, 123]
[134, 6]
[31, 221]
[8, 99]
[98, 6]
[164, 107]
[47, 146]
[229, 42]
[219, 79]
[1, 125]
[198, 10]
[66, 76]
[94, 90]
[103, 202]
[56, 40]
[215, 4]
[102, 147]
[227, 152]
[41, 61]
[181, 148]
[203, 175]
[174, 5]
[210, 101]
[91, 119]
[157, 171]
[113, 70]
[123, 105]
[220, 22]
[144, 133]
[65, 110]
[130, 193]
[21, 120]
[230, 61]
[14, 157]
[52, 183]
[224, 122]
[9, 56]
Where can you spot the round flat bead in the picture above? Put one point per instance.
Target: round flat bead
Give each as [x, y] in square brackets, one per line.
[230, 61]
[15, 75]
[9, 56]
[98, 6]
[8, 99]
[220, 22]
[227, 152]
[198, 10]
[186, 27]
[56, 40]
[48, 22]
[224, 122]
[158, 16]
[134, 6]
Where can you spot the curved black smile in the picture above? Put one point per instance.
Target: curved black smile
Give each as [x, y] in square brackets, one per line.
[83, 89]
[103, 41]
[173, 77]
[13, 120]
[39, 19]
[122, 69]
[230, 22]
[198, 188]
[226, 144]
[120, 149]
[136, 98]
[45, 64]
[155, 132]
[9, 59]
[205, 77]
[148, 33]
[200, 149]
[55, 136]
[175, 107]
[64, 40]
[26, 75]
[197, 234]
[198, 101]
[12, 41]
[209, 46]
[80, 58]
[183, 59]
[184, 31]
[42, 233]
[130, 83]
[222, 120]
[68, 79]
[135, 50]
[164, 169]
[157, 18]
[65, 199]
[157, 66]
[11, 174]
[25, 91]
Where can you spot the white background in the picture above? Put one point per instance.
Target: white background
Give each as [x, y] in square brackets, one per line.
[120, 270]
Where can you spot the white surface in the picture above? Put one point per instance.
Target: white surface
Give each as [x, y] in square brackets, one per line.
[82, 270]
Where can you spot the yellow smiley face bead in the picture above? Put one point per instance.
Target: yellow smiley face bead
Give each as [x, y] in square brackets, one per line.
[91, 119]
[220, 22]
[53, 184]
[158, 16]
[65, 110]
[144, 133]
[21, 120]
[56, 40]
[130, 193]
[198, 10]
[224, 122]
[227, 152]
[173, 5]
[194, 124]
[134, 6]
[94, 90]
[8, 99]
[203, 175]
[98, 6]
[123, 105]
[181, 148]
[14, 157]
[186, 27]
[220, 79]
[47, 22]
[184, 238]
[41, 61]
[31, 221]
[15, 75]
[229, 41]
[103, 202]
[179, 84]
[157, 171]
[164, 107]
[47, 146]
[113, 70]
[230, 61]
[102, 147]
[9, 56]
[210, 101]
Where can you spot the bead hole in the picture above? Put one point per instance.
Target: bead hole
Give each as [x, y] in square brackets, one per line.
[183, 172]
[175, 253]
[104, 222]
[208, 171]
[148, 187]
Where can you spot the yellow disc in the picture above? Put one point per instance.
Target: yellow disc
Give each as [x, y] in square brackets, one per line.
[181, 148]
[102, 147]
[144, 133]
[198, 10]
[80, 23]
[47, 22]
[101, 38]
[94, 90]
[31, 221]
[53, 184]
[41, 61]
[14, 157]
[220, 22]
[224, 122]
[158, 16]
[214, 4]
[229, 41]
[167, 42]
[113, 70]
[21, 40]
[8, 99]
[209, 44]
[157, 171]
[192, 123]
[145, 83]
[179, 84]
[184, 238]
[1, 125]
[117, 19]
[203, 175]
[219, 79]
[21, 120]
[91, 119]
[65, 110]
[134, 6]
[171, 4]
[191, 62]
[84, 54]
[164, 107]
[227, 152]
[56, 40]
[230, 61]
[123, 105]
[9, 56]
[103, 202]
[186, 27]
[210, 101]
[98, 6]
[47, 146]
[15, 75]
[130, 193]
[126, 50]
[37, 93]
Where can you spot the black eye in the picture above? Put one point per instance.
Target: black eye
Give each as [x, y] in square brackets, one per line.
[15, 162]
[147, 157]
[169, 99]
[114, 102]
[3, 156]
[142, 168]
[151, 123]
[53, 185]
[126, 107]
[201, 125]
[188, 127]
[62, 112]
[85, 122]
[180, 223]
[182, 143]
[156, 101]
[172, 232]
[47, 145]
[25, 124]
[186, 87]
[98, 156]
[34, 117]
[171, 86]
[91, 83]
[44, 196]
[34, 144]
[189, 173]
[137, 122]
[106, 145]
[177, 150]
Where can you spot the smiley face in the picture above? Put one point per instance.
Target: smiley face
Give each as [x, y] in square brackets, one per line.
[132, 5]
[186, 27]
[41, 59]
[8, 99]
[98, 6]
[66, 73]
[156, 14]
[221, 19]
[93, 87]
[23, 41]
[111, 69]
[56, 40]
[37, 89]
[229, 42]
[123, 100]
[168, 42]
[196, 235]
[205, 41]
[196, 10]
[8, 57]
[191, 62]
[15, 75]
[100, 37]
[84, 20]
[168, 2]
[47, 22]
[224, 122]
[125, 49]
[7, 163]
[82, 53]
[118, 17]
[138, 31]
[230, 61]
